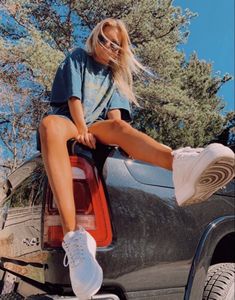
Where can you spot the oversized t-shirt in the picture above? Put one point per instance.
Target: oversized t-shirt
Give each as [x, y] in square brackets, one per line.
[79, 75]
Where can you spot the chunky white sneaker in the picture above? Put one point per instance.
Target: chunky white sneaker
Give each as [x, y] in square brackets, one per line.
[86, 274]
[200, 172]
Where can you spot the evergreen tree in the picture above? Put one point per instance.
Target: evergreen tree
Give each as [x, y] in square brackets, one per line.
[178, 98]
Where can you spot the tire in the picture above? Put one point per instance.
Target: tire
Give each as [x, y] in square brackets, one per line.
[220, 282]
[1, 287]
[11, 296]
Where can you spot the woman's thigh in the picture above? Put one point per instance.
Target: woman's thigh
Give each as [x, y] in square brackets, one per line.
[57, 126]
[109, 131]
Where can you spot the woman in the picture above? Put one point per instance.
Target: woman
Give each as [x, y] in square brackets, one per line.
[91, 93]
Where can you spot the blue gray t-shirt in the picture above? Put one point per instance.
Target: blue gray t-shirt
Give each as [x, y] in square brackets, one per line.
[79, 75]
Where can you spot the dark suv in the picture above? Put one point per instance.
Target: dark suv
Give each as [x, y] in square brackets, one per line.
[148, 247]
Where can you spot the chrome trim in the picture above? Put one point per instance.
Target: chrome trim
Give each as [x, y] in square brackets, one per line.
[96, 297]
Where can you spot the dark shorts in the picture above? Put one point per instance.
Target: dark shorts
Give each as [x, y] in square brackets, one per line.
[62, 111]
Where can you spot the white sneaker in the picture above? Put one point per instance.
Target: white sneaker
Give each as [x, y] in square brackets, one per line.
[200, 172]
[86, 274]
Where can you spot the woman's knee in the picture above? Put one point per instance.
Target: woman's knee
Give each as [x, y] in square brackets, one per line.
[118, 125]
[50, 127]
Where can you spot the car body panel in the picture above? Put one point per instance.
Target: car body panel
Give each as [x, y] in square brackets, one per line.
[154, 240]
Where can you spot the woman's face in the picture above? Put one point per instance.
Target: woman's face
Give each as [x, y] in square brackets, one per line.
[108, 48]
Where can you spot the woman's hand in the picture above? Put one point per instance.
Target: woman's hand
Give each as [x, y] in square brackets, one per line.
[85, 137]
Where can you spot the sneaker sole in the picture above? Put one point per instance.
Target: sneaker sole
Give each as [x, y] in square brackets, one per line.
[97, 281]
[217, 174]
[93, 286]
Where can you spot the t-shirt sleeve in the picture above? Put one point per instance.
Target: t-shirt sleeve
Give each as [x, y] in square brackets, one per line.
[67, 81]
[117, 101]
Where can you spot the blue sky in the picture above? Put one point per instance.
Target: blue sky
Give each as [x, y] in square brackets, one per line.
[212, 37]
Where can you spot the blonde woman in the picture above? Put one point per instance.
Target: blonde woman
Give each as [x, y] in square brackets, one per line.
[90, 101]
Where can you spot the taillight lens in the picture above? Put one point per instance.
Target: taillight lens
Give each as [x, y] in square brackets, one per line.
[91, 207]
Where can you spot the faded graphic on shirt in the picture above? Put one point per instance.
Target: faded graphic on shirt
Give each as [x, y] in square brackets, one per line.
[79, 75]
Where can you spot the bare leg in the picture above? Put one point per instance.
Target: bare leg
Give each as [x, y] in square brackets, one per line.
[54, 133]
[135, 143]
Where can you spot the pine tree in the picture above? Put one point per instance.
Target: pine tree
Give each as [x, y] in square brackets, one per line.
[178, 99]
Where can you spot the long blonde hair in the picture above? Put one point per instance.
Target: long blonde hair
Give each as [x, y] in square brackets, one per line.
[125, 65]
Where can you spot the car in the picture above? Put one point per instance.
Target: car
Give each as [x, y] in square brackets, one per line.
[148, 246]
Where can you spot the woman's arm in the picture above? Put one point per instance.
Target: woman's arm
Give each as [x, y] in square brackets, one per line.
[76, 111]
[114, 114]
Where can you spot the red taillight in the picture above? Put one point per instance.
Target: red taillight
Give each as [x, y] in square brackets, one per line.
[91, 207]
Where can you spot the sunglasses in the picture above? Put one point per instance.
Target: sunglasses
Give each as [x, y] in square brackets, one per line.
[114, 46]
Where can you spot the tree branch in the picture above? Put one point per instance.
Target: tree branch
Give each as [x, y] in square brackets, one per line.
[5, 166]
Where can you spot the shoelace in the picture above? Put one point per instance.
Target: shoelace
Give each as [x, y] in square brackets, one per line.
[74, 252]
[182, 152]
